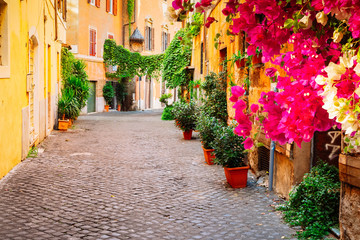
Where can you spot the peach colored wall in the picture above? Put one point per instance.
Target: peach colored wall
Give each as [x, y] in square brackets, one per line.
[82, 17]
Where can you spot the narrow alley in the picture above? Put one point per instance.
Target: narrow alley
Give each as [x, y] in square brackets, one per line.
[130, 175]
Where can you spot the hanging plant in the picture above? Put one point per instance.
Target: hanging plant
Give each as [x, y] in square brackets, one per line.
[130, 64]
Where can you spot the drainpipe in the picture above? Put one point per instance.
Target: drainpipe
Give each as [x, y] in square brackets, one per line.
[272, 155]
[56, 22]
[271, 170]
[139, 92]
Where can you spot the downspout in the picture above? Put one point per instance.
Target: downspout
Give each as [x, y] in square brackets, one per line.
[56, 22]
[271, 170]
[272, 161]
[139, 92]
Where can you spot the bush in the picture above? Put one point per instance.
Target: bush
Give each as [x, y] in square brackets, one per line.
[207, 127]
[81, 89]
[167, 113]
[68, 104]
[228, 148]
[314, 203]
[165, 98]
[185, 115]
[108, 93]
[215, 102]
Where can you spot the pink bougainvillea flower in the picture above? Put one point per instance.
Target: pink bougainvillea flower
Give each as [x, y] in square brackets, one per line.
[237, 91]
[209, 21]
[177, 4]
[236, 27]
[240, 105]
[345, 89]
[254, 108]
[354, 23]
[270, 72]
[248, 143]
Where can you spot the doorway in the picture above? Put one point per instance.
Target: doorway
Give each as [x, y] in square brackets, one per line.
[92, 97]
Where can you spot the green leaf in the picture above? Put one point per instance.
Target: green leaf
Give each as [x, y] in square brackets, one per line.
[289, 23]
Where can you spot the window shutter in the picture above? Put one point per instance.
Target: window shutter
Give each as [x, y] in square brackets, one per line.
[162, 41]
[107, 5]
[114, 7]
[146, 39]
[90, 42]
[152, 39]
[168, 40]
[94, 42]
[97, 3]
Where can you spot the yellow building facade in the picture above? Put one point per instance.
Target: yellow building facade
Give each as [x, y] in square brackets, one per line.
[32, 33]
[291, 162]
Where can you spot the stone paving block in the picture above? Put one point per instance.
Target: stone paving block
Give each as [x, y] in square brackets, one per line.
[130, 176]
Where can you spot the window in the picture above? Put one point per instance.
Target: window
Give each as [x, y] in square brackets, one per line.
[92, 2]
[111, 6]
[149, 39]
[92, 51]
[61, 7]
[165, 40]
[4, 41]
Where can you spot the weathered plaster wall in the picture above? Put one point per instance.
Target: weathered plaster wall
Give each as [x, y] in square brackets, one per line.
[349, 212]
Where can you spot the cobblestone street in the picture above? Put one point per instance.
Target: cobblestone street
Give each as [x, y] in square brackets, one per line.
[130, 176]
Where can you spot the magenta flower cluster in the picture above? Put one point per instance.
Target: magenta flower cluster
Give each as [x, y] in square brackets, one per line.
[315, 33]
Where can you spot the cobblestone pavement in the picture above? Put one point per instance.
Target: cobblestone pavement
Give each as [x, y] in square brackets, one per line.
[130, 176]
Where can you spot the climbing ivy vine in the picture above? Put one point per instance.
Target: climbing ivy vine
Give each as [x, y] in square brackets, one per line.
[130, 11]
[178, 54]
[130, 64]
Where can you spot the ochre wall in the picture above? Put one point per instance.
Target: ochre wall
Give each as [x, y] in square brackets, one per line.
[25, 20]
[290, 166]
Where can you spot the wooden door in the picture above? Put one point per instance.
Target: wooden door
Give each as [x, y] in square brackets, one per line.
[92, 98]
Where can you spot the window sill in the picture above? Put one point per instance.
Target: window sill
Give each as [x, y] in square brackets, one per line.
[4, 72]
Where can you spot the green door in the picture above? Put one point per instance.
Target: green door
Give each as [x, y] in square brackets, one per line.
[92, 98]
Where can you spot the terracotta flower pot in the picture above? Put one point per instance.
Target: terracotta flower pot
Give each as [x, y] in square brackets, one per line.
[63, 125]
[119, 107]
[240, 63]
[256, 59]
[209, 155]
[187, 135]
[237, 177]
[106, 108]
[70, 123]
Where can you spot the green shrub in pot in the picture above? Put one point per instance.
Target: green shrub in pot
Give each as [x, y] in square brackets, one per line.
[207, 127]
[228, 148]
[108, 93]
[185, 115]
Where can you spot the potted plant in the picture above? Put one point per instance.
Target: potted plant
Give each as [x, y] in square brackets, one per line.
[120, 93]
[240, 59]
[185, 117]
[108, 93]
[68, 108]
[207, 127]
[229, 152]
[63, 123]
